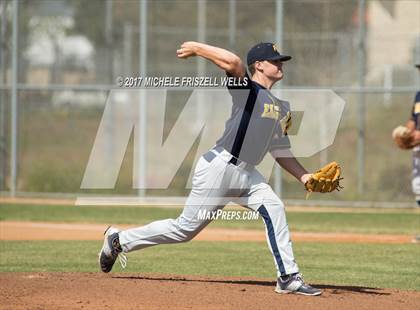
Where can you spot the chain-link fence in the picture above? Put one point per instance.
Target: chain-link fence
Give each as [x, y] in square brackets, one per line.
[60, 59]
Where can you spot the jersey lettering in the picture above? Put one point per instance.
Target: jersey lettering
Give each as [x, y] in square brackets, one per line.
[271, 111]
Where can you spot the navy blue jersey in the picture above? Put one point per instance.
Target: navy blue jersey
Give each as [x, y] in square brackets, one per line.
[415, 112]
[254, 127]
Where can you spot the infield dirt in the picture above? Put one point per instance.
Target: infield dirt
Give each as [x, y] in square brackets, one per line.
[58, 290]
[135, 291]
[11, 230]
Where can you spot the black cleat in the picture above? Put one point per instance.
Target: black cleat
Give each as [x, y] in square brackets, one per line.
[295, 284]
[110, 250]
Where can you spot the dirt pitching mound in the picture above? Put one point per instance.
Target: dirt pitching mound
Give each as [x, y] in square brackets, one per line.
[134, 291]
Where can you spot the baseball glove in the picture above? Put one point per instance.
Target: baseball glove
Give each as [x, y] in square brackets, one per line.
[403, 138]
[325, 180]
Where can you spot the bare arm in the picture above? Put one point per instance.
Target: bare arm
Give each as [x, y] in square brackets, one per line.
[289, 163]
[224, 59]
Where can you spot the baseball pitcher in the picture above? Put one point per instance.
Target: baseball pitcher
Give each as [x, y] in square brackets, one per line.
[258, 124]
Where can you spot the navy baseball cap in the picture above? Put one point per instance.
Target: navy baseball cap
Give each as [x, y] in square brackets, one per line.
[265, 51]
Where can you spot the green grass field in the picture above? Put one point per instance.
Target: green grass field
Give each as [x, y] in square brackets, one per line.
[370, 265]
[379, 222]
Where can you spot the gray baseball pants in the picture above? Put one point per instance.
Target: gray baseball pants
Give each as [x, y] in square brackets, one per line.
[215, 182]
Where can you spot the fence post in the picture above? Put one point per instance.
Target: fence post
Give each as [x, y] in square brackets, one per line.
[14, 117]
[278, 184]
[361, 96]
[3, 74]
[232, 24]
[143, 107]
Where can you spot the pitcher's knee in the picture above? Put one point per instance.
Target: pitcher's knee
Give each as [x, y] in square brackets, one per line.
[187, 230]
[274, 205]
[269, 199]
[188, 235]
